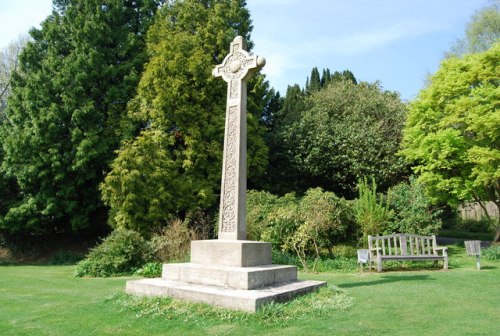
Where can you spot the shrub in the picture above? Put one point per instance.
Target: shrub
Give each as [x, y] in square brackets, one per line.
[121, 253]
[305, 226]
[492, 252]
[412, 211]
[172, 242]
[371, 212]
[150, 270]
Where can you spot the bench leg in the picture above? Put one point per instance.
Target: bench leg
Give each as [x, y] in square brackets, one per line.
[379, 264]
[445, 263]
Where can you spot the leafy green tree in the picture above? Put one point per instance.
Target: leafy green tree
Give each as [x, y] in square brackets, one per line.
[173, 166]
[66, 107]
[452, 135]
[481, 33]
[348, 131]
[412, 210]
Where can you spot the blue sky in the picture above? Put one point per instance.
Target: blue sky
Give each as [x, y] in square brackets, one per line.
[397, 42]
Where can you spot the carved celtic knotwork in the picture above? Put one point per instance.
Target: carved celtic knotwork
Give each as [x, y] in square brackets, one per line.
[234, 89]
[231, 173]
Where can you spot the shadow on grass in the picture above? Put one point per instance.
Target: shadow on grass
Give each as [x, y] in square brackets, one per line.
[387, 279]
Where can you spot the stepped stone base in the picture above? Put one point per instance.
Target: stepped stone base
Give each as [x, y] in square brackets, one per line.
[230, 277]
[240, 299]
[232, 274]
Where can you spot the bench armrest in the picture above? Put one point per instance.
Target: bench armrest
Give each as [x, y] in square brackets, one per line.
[444, 250]
[375, 250]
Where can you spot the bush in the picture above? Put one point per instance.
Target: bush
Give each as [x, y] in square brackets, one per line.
[492, 252]
[483, 225]
[121, 253]
[412, 211]
[150, 270]
[371, 211]
[304, 226]
[172, 242]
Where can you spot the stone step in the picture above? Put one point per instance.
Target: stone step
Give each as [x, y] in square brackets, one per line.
[247, 300]
[230, 277]
[234, 253]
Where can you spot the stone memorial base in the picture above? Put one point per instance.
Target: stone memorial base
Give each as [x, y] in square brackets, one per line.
[235, 274]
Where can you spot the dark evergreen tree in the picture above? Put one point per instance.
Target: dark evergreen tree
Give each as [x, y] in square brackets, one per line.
[315, 81]
[66, 108]
[347, 74]
[281, 176]
[326, 77]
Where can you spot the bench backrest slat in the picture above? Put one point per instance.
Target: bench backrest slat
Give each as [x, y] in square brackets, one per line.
[404, 244]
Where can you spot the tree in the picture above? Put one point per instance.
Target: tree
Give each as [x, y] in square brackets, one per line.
[281, 177]
[452, 135]
[348, 131]
[481, 33]
[173, 166]
[66, 108]
[315, 81]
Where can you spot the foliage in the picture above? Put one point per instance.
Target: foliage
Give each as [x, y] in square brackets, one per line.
[472, 225]
[492, 252]
[150, 270]
[172, 167]
[412, 211]
[173, 242]
[122, 252]
[305, 226]
[65, 110]
[322, 143]
[452, 135]
[481, 33]
[371, 212]
[322, 217]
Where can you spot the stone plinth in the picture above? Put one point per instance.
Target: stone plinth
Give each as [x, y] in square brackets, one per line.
[230, 277]
[234, 253]
[246, 300]
[217, 276]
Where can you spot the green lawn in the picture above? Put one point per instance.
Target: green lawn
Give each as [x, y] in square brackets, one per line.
[48, 300]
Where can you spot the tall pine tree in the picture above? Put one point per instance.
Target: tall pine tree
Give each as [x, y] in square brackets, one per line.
[66, 107]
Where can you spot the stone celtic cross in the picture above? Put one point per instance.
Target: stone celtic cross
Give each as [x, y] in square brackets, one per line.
[236, 69]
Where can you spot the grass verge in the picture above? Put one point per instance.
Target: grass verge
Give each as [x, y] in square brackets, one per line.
[48, 300]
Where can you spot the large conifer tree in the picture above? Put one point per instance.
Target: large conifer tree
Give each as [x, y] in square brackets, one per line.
[66, 107]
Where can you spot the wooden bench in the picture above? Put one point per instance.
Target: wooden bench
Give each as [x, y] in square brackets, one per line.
[400, 247]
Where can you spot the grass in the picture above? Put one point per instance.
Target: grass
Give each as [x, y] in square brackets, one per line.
[48, 300]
